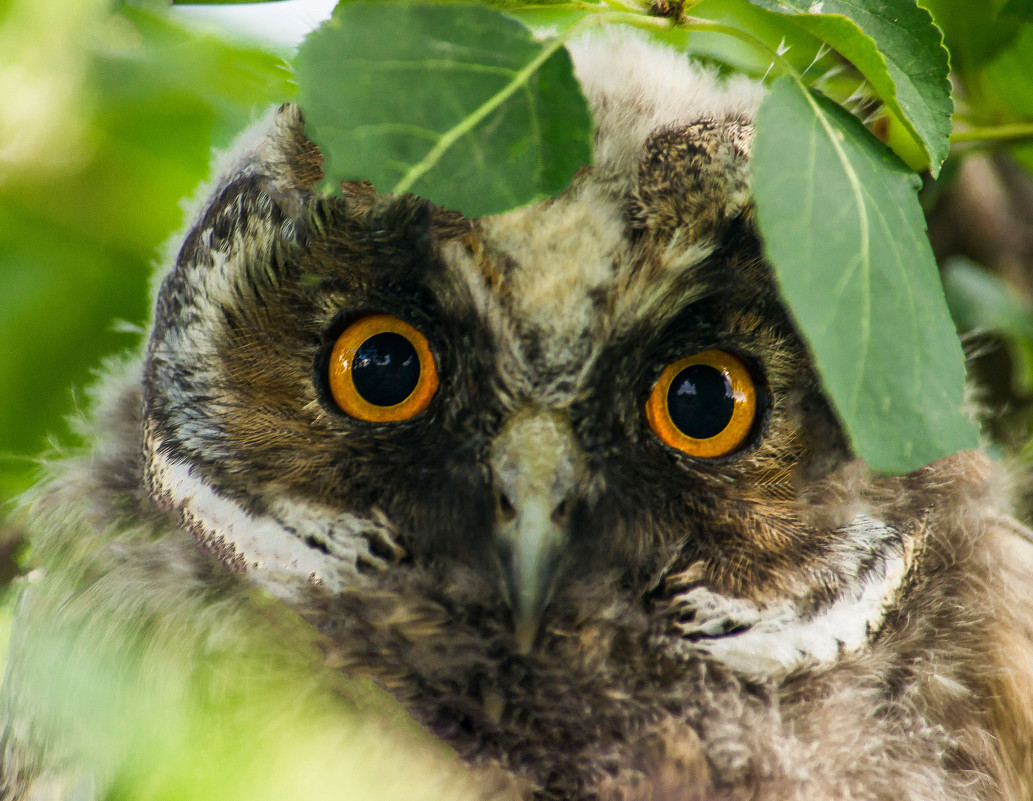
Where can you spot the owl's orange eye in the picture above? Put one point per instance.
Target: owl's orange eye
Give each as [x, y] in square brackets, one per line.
[703, 404]
[381, 370]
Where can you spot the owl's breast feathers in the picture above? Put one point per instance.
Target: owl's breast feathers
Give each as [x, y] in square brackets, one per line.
[549, 579]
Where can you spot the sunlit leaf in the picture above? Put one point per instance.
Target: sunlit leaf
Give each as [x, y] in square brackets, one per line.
[777, 31]
[458, 104]
[898, 49]
[844, 230]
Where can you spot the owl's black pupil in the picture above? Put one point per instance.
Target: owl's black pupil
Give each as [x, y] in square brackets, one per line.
[386, 369]
[700, 401]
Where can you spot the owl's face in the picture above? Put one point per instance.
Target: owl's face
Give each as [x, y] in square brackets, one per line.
[600, 384]
[598, 391]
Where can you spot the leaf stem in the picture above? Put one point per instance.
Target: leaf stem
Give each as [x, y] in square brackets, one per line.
[994, 133]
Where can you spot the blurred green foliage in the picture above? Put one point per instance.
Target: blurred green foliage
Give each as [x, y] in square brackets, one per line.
[109, 120]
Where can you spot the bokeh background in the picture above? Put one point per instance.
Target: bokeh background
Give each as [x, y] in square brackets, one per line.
[109, 116]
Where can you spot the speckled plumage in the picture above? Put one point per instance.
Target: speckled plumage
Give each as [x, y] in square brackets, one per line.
[776, 623]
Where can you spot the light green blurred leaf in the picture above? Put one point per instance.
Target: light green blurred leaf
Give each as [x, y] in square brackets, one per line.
[845, 233]
[150, 700]
[458, 104]
[1007, 83]
[981, 301]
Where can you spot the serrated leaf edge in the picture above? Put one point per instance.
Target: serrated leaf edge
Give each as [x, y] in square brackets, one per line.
[891, 99]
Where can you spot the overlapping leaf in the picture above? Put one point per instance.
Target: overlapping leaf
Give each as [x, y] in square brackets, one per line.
[895, 44]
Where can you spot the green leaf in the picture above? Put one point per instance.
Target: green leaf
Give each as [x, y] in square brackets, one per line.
[845, 233]
[158, 6]
[548, 18]
[1006, 93]
[777, 31]
[981, 301]
[896, 46]
[520, 5]
[456, 103]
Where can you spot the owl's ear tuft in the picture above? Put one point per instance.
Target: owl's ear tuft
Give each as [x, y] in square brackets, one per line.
[391, 240]
[241, 240]
[295, 163]
[360, 197]
[406, 214]
[257, 198]
[693, 178]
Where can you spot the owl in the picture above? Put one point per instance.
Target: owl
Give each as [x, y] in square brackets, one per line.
[562, 482]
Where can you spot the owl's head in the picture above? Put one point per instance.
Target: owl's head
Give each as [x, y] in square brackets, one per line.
[597, 396]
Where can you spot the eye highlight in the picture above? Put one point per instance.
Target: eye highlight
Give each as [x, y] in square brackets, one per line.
[381, 370]
[704, 404]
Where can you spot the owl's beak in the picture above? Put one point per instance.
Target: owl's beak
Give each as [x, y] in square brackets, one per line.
[536, 463]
